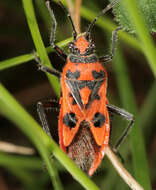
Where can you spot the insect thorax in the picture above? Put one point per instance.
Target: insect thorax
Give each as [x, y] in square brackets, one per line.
[83, 59]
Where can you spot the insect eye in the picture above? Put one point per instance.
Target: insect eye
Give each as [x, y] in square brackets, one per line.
[71, 45]
[90, 49]
[92, 46]
[73, 49]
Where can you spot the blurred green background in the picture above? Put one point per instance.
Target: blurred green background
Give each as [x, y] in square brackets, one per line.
[131, 85]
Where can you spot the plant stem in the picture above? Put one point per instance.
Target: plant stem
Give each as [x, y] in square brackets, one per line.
[33, 26]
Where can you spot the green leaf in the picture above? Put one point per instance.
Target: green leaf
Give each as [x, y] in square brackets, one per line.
[148, 10]
[147, 44]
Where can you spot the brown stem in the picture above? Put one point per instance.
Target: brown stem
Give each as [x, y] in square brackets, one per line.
[71, 9]
[11, 148]
[77, 17]
[133, 184]
[75, 13]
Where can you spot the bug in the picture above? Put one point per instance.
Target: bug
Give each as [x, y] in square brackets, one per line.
[84, 123]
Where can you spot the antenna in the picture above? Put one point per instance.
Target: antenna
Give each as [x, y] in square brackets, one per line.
[69, 16]
[110, 6]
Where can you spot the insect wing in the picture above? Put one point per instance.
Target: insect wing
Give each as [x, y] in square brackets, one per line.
[98, 114]
[71, 114]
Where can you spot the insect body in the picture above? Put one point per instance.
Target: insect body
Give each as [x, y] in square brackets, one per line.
[83, 101]
[84, 124]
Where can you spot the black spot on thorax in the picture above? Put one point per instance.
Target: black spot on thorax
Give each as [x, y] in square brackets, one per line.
[81, 59]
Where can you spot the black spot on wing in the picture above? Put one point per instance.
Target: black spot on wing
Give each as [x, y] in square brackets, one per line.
[98, 75]
[98, 119]
[97, 97]
[73, 75]
[70, 120]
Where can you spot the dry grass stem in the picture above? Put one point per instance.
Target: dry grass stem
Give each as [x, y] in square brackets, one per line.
[75, 13]
[11, 148]
[77, 17]
[71, 9]
[133, 184]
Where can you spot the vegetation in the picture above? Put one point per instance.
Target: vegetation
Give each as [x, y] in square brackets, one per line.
[132, 90]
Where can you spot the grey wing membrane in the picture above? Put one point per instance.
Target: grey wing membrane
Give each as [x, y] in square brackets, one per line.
[94, 87]
[76, 86]
[75, 91]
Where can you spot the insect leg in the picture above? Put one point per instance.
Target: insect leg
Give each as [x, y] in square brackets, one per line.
[127, 116]
[45, 68]
[59, 51]
[49, 70]
[45, 106]
[107, 58]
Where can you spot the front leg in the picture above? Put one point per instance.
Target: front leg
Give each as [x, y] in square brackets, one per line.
[46, 69]
[107, 58]
[49, 70]
[58, 50]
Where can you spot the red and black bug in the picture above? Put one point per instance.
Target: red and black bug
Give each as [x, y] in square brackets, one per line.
[84, 124]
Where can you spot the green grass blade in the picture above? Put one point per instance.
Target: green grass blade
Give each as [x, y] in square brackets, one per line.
[7, 160]
[14, 112]
[145, 39]
[26, 178]
[148, 108]
[136, 137]
[147, 113]
[44, 13]
[29, 180]
[33, 26]
[12, 62]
